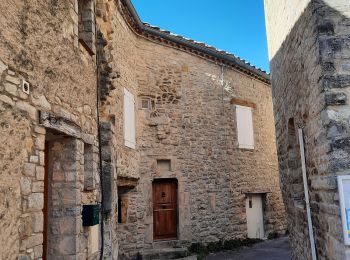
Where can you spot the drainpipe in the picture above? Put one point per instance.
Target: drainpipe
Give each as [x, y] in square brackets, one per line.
[306, 193]
[99, 134]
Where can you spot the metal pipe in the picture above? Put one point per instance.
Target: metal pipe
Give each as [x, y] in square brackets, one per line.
[97, 58]
[306, 193]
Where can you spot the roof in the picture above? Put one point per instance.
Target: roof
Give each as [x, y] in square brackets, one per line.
[198, 48]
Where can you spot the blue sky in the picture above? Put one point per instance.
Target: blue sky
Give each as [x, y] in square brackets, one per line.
[236, 26]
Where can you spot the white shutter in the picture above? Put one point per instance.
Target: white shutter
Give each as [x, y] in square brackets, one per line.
[245, 133]
[129, 119]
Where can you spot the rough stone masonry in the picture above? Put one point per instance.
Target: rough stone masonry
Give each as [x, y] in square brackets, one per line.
[310, 65]
[96, 108]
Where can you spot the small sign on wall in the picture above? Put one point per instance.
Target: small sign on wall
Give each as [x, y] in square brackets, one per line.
[344, 198]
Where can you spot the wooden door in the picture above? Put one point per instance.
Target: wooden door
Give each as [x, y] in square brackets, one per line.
[255, 220]
[46, 201]
[164, 209]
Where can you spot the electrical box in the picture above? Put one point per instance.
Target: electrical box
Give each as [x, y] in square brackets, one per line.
[91, 215]
[344, 199]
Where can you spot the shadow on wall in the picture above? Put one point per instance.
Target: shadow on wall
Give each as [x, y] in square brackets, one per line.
[310, 76]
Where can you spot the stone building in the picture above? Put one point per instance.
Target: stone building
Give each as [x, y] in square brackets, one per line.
[119, 136]
[310, 69]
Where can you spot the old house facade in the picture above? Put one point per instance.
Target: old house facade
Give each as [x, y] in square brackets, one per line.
[309, 59]
[119, 136]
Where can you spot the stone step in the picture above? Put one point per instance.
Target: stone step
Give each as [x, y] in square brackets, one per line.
[192, 257]
[167, 244]
[164, 253]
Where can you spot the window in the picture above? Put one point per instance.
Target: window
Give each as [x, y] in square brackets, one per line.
[245, 133]
[294, 165]
[89, 183]
[145, 103]
[163, 166]
[86, 20]
[129, 119]
[123, 204]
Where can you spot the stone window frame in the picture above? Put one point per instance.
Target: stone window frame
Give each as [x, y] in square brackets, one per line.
[174, 167]
[145, 99]
[162, 161]
[122, 205]
[293, 159]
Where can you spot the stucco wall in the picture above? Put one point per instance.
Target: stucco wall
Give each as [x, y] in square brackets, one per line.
[281, 16]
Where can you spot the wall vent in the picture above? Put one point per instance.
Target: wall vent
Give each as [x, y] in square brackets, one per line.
[145, 103]
[25, 87]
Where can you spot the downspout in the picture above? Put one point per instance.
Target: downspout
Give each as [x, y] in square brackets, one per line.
[222, 87]
[99, 135]
[306, 193]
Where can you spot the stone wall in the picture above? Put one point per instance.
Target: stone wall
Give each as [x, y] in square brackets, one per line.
[42, 68]
[117, 54]
[309, 81]
[48, 79]
[191, 122]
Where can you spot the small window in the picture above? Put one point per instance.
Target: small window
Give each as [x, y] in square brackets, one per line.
[86, 20]
[145, 103]
[123, 204]
[245, 133]
[163, 166]
[129, 120]
[89, 182]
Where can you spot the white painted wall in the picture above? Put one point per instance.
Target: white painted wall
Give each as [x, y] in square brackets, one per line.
[281, 16]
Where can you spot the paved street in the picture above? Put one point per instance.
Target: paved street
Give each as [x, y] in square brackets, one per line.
[277, 249]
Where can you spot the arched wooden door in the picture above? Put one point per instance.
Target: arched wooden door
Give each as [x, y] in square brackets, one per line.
[165, 209]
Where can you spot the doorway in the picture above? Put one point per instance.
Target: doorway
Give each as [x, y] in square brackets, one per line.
[255, 219]
[165, 209]
[62, 198]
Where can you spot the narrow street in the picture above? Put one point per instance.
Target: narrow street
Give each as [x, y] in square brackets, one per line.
[277, 249]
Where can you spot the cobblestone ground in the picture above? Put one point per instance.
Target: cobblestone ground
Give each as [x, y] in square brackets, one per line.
[277, 249]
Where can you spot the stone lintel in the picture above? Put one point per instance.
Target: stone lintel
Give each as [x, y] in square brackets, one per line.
[127, 182]
[242, 102]
[59, 124]
[257, 191]
[88, 138]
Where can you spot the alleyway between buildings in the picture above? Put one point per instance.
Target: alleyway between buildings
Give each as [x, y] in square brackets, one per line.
[277, 249]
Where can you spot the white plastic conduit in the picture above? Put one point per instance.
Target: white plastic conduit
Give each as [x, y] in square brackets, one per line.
[306, 193]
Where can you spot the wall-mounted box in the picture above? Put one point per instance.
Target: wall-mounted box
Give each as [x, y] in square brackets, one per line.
[91, 215]
[344, 198]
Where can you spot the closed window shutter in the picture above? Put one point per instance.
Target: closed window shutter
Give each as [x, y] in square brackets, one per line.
[129, 119]
[245, 133]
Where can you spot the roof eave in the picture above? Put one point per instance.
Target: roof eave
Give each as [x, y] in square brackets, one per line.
[203, 49]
